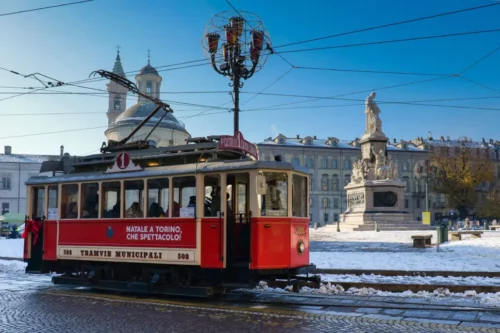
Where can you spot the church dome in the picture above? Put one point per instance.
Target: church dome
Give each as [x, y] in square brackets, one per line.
[148, 69]
[134, 115]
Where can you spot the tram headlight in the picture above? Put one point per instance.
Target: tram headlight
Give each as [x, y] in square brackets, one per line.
[301, 247]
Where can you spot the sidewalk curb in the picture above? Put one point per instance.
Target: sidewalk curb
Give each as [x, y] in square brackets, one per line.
[11, 258]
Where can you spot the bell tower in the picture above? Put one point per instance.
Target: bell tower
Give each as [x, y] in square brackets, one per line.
[117, 94]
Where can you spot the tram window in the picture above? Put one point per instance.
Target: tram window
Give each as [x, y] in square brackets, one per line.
[134, 203]
[274, 202]
[184, 197]
[242, 198]
[158, 197]
[38, 202]
[299, 196]
[90, 201]
[212, 198]
[69, 201]
[53, 212]
[110, 204]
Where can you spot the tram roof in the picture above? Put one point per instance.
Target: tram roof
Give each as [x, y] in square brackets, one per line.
[170, 170]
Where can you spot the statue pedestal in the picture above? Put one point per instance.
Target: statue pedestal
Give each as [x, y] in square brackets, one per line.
[380, 201]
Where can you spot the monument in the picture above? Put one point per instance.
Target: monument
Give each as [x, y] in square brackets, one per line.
[375, 193]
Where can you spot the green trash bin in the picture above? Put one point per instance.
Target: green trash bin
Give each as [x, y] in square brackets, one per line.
[445, 233]
[486, 225]
[439, 239]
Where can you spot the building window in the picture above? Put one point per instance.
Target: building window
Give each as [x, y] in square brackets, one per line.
[311, 182]
[336, 203]
[335, 182]
[418, 203]
[149, 87]
[308, 142]
[267, 158]
[325, 202]
[90, 201]
[6, 181]
[325, 217]
[310, 202]
[335, 217]
[274, 202]
[347, 164]
[295, 161]
[310, 162]
[281, 141]
[324, 163]
[406, 203]
[118, 103]
[335, 164]
[324, 182]
[347, 179]
[406, 180]
[5, 208]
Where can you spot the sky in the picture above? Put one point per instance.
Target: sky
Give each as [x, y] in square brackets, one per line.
[70, 42]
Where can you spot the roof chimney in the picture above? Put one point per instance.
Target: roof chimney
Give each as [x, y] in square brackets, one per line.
[315, 137]
[442, 138]
[62, 151]
[298, 136]
[394, 140]
[8, 150]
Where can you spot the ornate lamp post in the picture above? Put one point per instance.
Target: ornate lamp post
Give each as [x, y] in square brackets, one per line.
[240, 55]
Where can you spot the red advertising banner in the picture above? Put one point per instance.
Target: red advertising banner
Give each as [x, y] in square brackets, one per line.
[237, 142]
[178, 233]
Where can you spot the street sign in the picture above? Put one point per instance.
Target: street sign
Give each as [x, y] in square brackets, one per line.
[426, 217]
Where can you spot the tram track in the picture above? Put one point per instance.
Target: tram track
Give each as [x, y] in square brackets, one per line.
[282, 301]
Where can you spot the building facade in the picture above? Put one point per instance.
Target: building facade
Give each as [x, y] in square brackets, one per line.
[15, 170]
[330, 164]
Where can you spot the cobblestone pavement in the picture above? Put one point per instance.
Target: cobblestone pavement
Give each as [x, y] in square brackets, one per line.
[61, 310]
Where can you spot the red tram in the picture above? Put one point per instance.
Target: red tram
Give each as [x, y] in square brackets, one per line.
[193, 219]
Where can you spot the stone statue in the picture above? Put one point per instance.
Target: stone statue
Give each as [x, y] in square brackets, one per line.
[393, 168]
[381, 169]
[357, 175]
[373, 122]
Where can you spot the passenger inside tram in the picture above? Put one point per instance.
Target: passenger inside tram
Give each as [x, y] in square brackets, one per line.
[72, 212]
[155, 210]
[134, 210]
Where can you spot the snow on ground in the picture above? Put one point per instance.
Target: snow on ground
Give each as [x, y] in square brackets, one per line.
[11, 248]
[434, 280]
[392, 250]
[12, 266]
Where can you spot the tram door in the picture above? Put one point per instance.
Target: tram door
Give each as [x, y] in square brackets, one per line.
[238, 220]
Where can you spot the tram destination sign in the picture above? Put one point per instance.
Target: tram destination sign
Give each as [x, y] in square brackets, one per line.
[237, 142]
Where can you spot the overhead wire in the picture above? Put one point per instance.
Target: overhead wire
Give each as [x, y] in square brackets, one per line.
[388, 25]
[47, 7]
[408, 39]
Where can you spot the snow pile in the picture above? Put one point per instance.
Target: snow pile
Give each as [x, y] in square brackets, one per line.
[11, 248]
[12, 266]
[324, 289]
[263, 286]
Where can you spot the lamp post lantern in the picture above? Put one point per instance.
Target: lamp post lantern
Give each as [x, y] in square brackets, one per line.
[244, 42]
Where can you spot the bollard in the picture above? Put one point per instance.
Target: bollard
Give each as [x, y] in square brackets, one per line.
[486, 225]
[445, 233]
[315, 225]
[338, 226]
[376, 226]
[450, 225]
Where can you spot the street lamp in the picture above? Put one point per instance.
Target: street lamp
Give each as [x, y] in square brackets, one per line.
[242, 50]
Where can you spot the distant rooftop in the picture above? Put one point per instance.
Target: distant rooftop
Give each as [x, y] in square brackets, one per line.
[8, 157]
